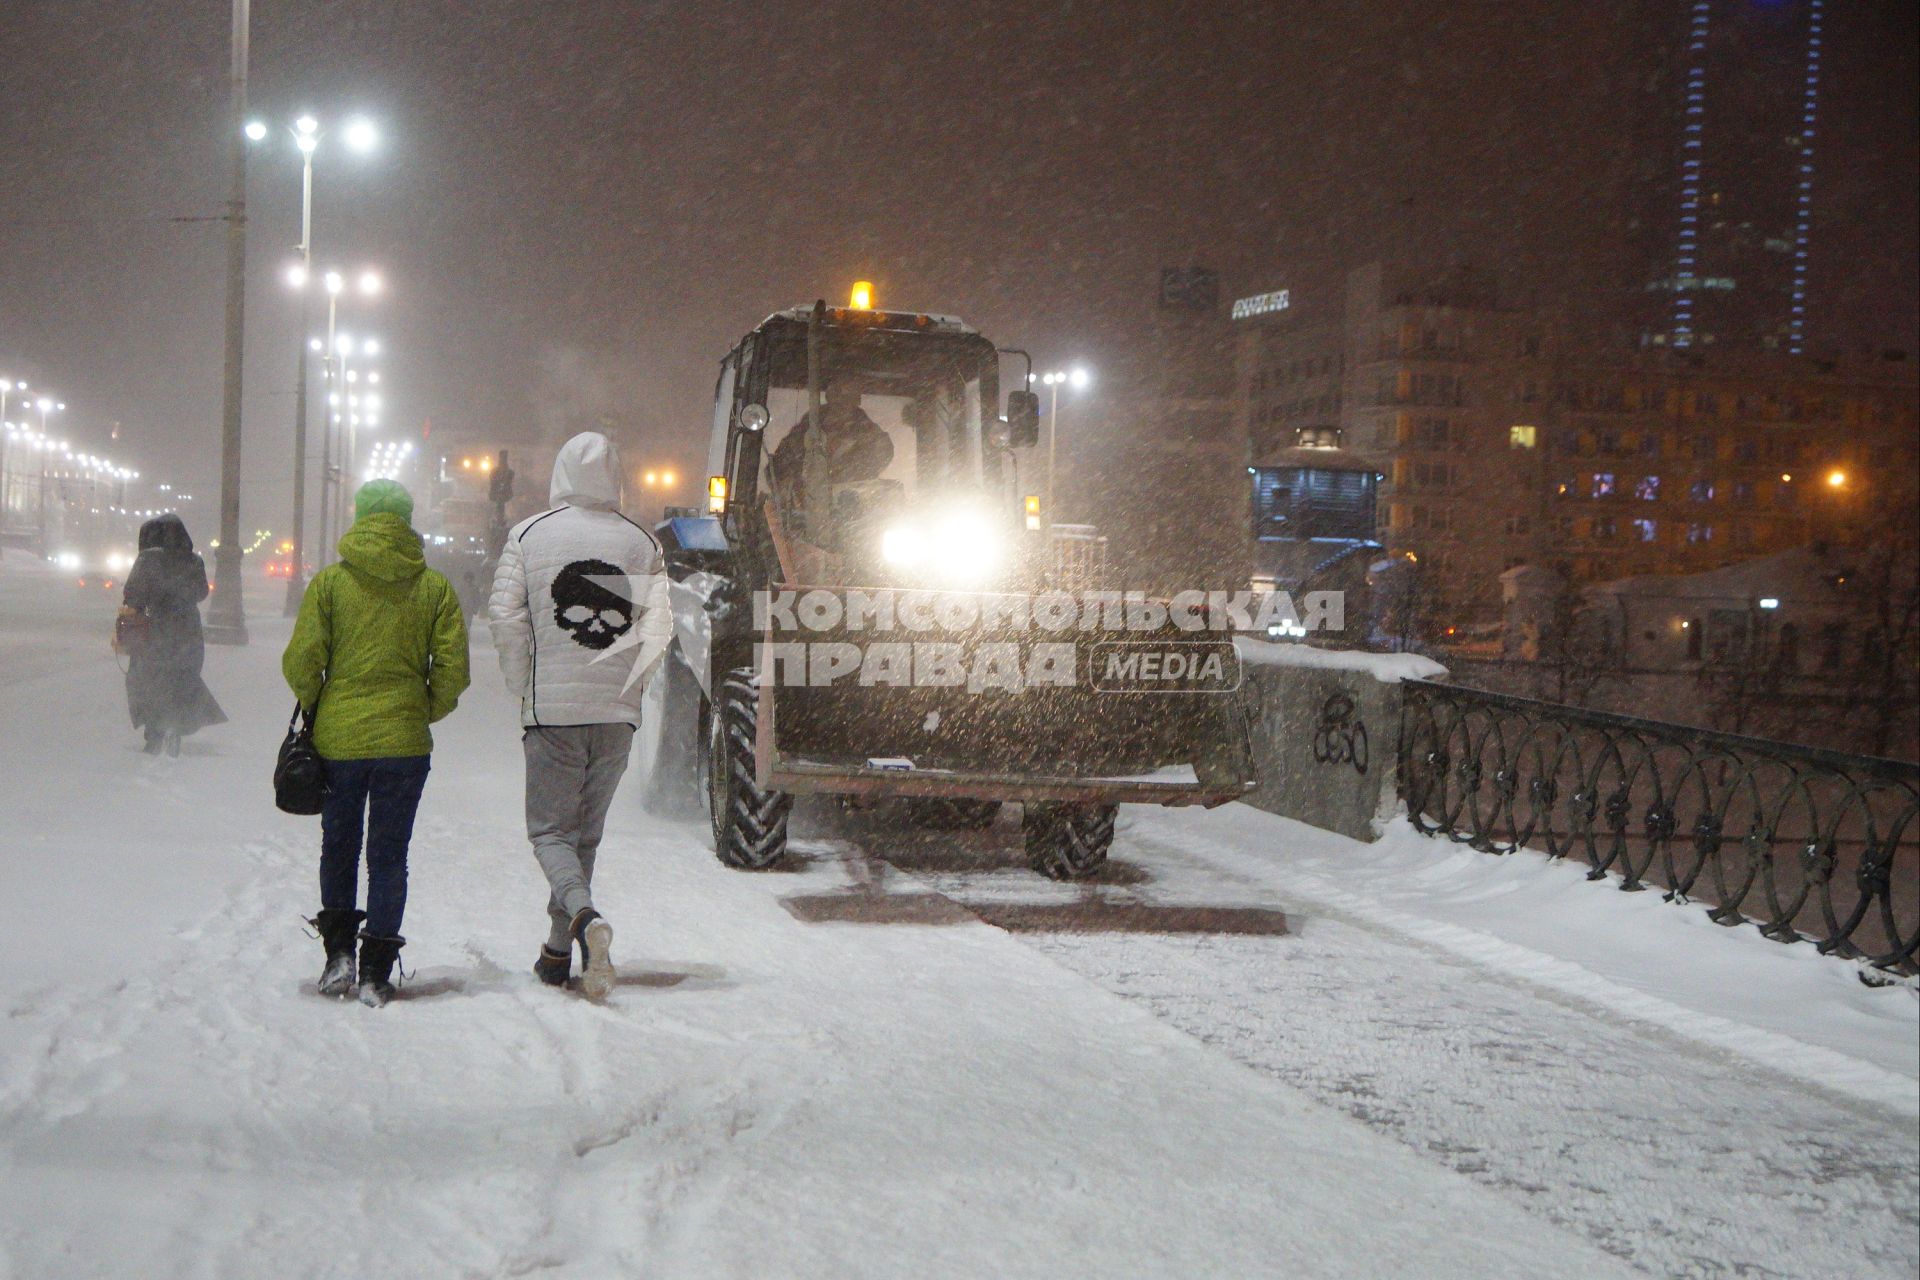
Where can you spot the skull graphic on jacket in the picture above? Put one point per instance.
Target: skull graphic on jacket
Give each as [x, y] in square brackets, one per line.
[593, 615]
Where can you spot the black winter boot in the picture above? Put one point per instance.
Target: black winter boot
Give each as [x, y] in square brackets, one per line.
[337, 930]
[377, 956]
[553, 966]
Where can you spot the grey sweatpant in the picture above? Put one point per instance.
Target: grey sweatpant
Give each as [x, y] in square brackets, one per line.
[572, 771]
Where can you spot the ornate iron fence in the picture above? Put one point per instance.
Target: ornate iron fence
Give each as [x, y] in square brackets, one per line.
[1807, 844]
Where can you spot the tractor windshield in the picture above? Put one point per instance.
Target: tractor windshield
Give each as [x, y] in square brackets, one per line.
[903, 415]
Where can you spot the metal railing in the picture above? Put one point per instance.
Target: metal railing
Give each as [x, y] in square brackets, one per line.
[1806, 844]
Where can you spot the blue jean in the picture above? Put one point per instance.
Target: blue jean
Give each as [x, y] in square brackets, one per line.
[381, 797]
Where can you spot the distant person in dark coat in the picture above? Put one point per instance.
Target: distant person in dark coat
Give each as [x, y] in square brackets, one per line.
[165, 694]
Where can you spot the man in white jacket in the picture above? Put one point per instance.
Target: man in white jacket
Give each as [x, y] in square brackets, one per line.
[580, 618]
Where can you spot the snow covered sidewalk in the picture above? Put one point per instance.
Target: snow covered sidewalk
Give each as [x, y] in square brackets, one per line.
[1700, 1101]
[761, 1097]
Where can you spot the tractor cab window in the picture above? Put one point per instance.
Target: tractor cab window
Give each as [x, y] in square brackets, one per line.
[902, 417]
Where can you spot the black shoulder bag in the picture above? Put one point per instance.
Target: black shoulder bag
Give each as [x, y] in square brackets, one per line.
[299, 779]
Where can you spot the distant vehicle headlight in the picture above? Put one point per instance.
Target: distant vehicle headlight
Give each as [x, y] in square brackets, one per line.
[69, 560]
[117, 561]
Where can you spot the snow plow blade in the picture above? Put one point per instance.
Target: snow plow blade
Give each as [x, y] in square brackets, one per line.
[979, 701]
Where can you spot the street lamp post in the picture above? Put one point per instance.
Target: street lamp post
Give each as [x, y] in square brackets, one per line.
[333, 364]
[1079, 379]
[307, 136]
[7, 387]
[305, 140]
[357, 409]
[46, 405]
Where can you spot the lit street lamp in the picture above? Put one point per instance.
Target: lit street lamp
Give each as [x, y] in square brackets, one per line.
[7, 387]
[307, 135]
[46, 405]
[1079, 380]
[368, 283]
[348, 401]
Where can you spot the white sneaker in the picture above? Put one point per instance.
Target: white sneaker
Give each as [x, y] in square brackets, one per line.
[596, 941]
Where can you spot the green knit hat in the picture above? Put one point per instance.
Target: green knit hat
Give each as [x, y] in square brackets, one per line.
[377, 497]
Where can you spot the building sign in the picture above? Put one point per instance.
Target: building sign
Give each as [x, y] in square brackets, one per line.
[1262, 303]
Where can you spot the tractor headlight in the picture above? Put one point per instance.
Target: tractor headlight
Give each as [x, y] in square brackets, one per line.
[903, 546]
[959, 547]
[967, 547]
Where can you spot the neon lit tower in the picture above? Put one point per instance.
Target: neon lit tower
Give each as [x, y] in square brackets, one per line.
[1803, 193]
[1736, 267]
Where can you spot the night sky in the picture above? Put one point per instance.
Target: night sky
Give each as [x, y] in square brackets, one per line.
[579, 206]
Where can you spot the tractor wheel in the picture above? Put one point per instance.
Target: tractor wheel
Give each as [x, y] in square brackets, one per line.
[749, 824]
[1068, 841]
[944, 813]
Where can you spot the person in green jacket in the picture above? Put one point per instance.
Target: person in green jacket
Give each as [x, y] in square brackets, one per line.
[378, 653]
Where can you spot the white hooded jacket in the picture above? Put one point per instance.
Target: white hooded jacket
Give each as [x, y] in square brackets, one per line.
[580, 614]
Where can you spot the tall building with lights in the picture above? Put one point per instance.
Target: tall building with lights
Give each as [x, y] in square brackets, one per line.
[1726, 138]
[1501, 436]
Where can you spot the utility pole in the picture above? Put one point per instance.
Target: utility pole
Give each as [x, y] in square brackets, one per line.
[226, 616]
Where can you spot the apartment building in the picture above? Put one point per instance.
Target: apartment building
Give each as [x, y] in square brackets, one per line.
[1503, 440]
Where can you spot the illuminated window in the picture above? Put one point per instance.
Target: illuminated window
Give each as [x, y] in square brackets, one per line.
[1699, 533]
[1522, 437]
[1647, 530]
[1702, 491]
[1603, 484]
[1648, 489]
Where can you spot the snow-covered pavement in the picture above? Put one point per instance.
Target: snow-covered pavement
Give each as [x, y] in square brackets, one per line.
[1392, 1086]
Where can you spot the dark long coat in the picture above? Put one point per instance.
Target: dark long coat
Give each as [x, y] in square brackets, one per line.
[165, 693]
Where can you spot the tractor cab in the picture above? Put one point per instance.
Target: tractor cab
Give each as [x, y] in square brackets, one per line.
[868, 446]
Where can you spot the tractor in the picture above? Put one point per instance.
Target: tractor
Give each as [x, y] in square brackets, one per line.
[866, 610]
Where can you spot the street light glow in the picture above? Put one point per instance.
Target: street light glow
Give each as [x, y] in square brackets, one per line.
[361, 135]
[306, 124]
[370, 282]
[256, 131]
[297, 275]
[334, 282]
[1079, 379]
[1837, 479]
[370, 347]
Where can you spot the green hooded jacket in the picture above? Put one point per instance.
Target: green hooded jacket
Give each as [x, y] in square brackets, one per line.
[379, 651]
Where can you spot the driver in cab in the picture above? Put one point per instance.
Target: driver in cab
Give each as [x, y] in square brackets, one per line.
[857, 449]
